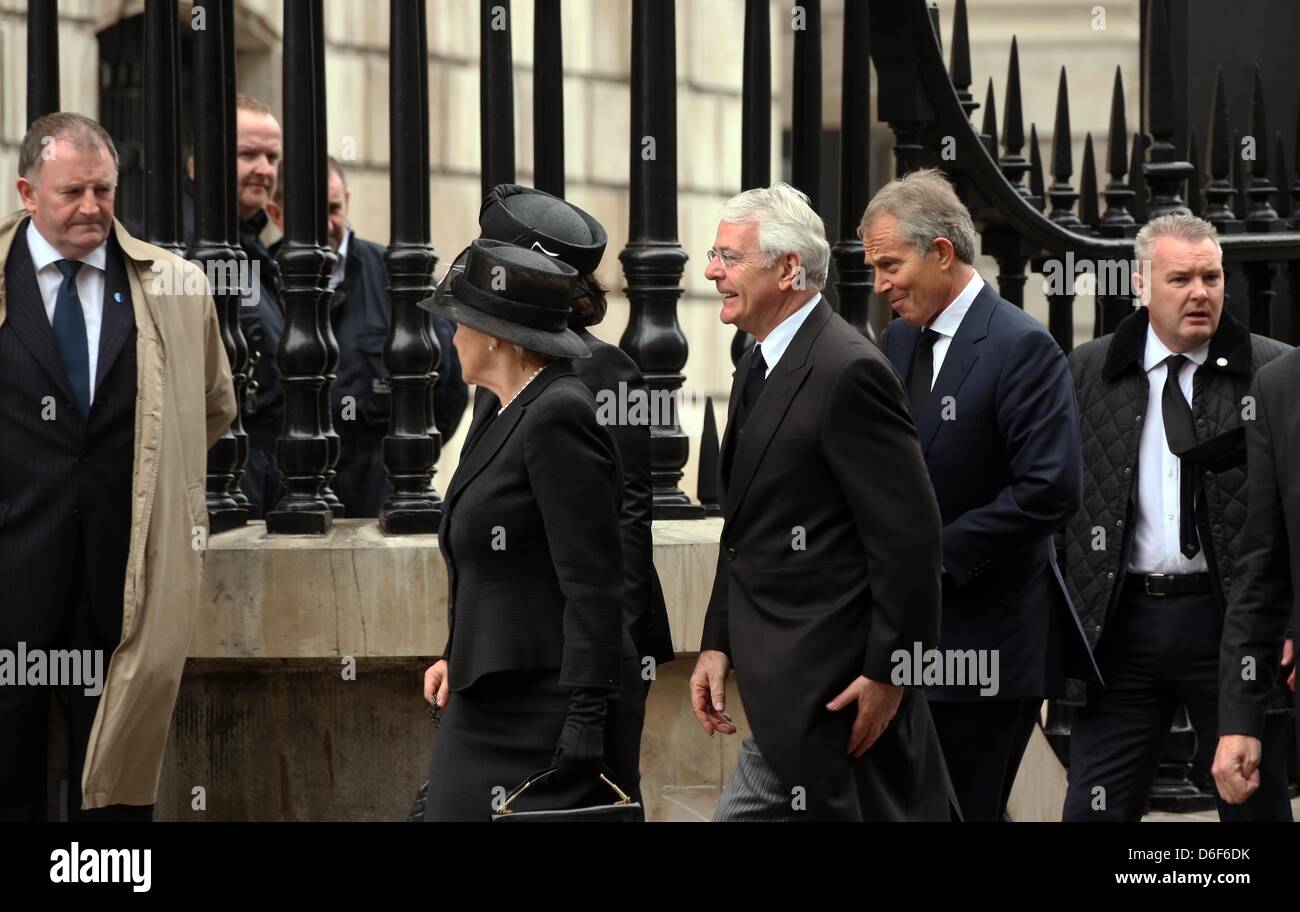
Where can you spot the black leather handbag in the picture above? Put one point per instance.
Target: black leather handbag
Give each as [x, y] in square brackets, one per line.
[623, 810]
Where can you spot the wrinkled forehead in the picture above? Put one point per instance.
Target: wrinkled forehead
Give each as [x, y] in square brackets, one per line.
[882, 236]
[72, 162]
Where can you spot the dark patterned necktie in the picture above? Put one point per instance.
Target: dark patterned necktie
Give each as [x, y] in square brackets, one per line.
[69, 327]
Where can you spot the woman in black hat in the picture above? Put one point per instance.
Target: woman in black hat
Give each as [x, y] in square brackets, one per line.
[537, 647]
[534, 219]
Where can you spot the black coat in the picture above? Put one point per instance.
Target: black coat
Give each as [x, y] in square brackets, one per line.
[262, 319]
[360, 314]
[644, 611]
[1112, 389]
[530, 536]
[1265, 594]
[360, 397]
[1001, 440]
[65, 480]
[801, 624]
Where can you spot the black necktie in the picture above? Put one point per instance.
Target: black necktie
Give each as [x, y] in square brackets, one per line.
[69, 325]
[754, 382]
[749, 393]
[1180, 433]
[921, 378]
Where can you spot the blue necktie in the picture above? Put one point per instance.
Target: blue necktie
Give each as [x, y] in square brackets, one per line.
[70, 334]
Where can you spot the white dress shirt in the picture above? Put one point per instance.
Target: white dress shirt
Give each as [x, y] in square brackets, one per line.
[779, 339]
[90, 287]
[340, 268]
[949, 321]
[1156, 544]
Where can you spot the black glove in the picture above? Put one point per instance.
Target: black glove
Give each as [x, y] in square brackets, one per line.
[581, 748]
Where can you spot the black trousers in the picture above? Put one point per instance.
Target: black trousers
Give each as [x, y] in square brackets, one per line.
[360, 481]
[24, 726]
[1159, 651]
[261, 480]
[983, 743]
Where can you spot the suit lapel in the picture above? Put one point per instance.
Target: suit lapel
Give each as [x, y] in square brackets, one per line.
[496, 434]
[27, 314]
[963, 352]
[485, 412]
[118, 316]
[729, 435]
[765, 417]
[900, 347]
[497, 431]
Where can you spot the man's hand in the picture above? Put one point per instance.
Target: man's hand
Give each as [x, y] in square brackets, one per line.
[877, 703]
[709, 692]
[1236, 767]
[1288, 661]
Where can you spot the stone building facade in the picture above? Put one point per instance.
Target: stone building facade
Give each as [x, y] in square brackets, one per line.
[596, 113]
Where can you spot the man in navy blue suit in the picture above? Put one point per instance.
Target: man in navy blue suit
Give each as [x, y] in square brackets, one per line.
[994, 408]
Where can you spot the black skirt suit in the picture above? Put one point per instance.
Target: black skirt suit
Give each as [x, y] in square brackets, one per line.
[530, 536]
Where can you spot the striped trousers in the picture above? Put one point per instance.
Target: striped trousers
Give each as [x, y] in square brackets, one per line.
[754, 793]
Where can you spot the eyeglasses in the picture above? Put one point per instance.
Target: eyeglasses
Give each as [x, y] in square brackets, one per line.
[729, 258]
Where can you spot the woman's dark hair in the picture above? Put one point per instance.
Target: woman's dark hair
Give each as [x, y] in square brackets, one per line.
[589, 309]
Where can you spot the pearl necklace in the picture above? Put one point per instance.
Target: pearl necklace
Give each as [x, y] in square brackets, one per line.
[521, 389]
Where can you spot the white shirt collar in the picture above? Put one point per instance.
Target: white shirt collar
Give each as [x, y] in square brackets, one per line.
[949, 319]
[336, 277]
[1157, 351]
[44, 254]
[779, 339]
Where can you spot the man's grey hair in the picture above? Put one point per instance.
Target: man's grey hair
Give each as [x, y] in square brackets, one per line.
[786, 224]
[1180, 226]
[78, 129]
[926, 207]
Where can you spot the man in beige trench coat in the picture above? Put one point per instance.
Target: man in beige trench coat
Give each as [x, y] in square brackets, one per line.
[113, 384]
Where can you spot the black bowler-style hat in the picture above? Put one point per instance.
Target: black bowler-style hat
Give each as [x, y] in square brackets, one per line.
[512, 293]
[527, 217]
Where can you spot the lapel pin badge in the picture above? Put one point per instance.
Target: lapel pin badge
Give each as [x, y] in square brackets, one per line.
[1222, 362]
[117, 296]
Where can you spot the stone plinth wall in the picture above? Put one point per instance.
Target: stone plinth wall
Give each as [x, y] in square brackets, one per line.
[302, 697]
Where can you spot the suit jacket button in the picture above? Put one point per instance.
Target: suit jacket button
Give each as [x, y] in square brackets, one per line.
[1110, 575]
[731, 554]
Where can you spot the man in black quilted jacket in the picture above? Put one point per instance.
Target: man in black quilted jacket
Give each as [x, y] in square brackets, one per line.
[1150, 555]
